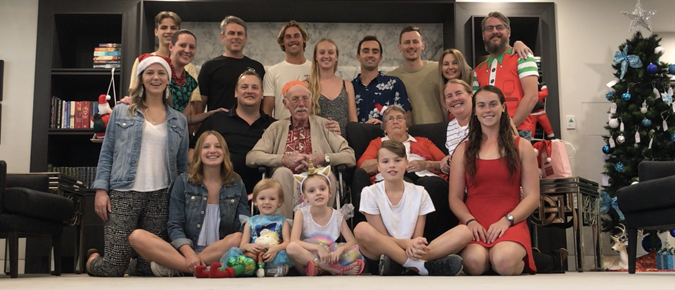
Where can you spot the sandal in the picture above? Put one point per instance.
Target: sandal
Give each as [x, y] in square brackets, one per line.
[312, 269]
[359, 263]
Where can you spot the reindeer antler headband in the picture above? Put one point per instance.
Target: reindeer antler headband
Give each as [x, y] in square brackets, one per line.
[311, 171]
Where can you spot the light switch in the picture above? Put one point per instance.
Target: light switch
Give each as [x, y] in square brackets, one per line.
[571, 122]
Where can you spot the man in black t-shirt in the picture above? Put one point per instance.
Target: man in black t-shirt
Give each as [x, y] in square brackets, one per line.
[218, 76]
[242, 126]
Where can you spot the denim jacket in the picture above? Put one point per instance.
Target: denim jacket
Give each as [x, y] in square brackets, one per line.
[188, 206]
[121, 149]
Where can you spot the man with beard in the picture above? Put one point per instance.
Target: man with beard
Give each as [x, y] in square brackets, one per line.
[420, 78]
[374, 91]
[516, 77]
[292, 40]
[218, 77]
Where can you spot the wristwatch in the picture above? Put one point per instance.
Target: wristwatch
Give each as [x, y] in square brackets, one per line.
[509, 218]
[326, 160]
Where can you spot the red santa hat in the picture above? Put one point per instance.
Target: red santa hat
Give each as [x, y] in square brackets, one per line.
[103, 105]
[145, 60]
[543, 146]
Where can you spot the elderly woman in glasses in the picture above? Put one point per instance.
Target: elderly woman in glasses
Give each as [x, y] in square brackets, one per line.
[424, 168]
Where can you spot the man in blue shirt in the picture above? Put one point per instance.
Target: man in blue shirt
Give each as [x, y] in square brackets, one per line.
[373, 90]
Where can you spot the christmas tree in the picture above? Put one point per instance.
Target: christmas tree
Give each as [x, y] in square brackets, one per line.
[641, 125]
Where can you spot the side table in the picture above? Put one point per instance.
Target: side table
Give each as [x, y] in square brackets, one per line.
[571, 202]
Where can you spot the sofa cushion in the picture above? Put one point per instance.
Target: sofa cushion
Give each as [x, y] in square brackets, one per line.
[32, 203]
[647, 195]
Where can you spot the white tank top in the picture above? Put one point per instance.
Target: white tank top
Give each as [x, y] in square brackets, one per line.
[310, 227]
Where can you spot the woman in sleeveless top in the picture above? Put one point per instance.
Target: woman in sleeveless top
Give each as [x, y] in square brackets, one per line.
[493, 165]
[332, 97]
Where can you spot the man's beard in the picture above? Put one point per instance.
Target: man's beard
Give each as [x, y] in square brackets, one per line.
[496, 48]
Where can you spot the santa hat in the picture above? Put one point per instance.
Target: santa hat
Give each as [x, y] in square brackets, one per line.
[145, 60]
[103, 105]
[542, 146]
[290, 84]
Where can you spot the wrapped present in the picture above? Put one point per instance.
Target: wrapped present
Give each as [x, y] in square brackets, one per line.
[665, 258]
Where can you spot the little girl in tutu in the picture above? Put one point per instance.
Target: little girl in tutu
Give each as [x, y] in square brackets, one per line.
[316, 228]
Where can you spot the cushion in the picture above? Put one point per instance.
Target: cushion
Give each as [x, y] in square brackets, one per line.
[359, 136]
[647, 195]
[436, 132]
[32, 203]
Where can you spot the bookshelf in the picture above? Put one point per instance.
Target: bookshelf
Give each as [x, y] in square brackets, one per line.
[68, 33]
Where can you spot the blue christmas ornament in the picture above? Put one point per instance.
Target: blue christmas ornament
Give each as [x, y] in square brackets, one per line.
[672, 233]
[672, 137]
[625, 97]
[647, 243]
[625, 59]
[651, 68]
[671, 69]
[646, 122]
[606, 149]
[667, 96]
[609, 96]
[618, 167]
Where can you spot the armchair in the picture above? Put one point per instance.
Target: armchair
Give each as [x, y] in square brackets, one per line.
[649, 204]
[28, 209]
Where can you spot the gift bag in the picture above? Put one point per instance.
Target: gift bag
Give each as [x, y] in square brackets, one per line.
[554, 159]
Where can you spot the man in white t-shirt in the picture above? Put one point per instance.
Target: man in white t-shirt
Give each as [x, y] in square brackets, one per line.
[292, 39]
[396, 212]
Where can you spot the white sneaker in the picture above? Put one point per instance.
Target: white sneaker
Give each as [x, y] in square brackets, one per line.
[163, 271]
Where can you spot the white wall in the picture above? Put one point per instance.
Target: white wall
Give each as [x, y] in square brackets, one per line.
[18, 19]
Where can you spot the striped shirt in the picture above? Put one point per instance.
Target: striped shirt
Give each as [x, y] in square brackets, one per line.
[505, 72]
[456, 134]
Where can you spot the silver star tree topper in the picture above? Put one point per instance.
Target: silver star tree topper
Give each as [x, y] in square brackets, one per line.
[639, 17]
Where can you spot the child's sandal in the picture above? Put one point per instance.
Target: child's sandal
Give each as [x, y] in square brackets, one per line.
[359, 263]
[312, 269]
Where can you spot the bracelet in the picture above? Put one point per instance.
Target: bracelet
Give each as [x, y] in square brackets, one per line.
[467, 222]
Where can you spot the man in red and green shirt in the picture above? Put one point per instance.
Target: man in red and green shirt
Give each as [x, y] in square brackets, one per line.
[516, 77]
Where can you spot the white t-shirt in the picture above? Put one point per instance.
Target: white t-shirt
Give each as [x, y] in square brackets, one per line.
[456, 134]
[400, 219]
[277, 76]
[152, 172]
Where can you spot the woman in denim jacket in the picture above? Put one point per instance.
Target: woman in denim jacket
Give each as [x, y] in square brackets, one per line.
[144, 150]
[204, 214]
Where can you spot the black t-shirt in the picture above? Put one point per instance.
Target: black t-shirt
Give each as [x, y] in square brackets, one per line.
[240, 138]
[218, 79]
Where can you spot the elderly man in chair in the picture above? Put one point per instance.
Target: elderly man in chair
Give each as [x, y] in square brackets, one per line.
[288, 145]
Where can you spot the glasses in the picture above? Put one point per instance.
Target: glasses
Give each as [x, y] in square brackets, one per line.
[490, 28]
[397, 118]
[296, 100]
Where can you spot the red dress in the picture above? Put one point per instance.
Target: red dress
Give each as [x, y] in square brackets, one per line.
[491, 195]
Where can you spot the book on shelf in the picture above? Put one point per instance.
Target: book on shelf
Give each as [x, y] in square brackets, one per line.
[108, 53]
[75, 176]
[107, 57]
[113, 65]
[109, 45]
[106, 49]
[71, 114]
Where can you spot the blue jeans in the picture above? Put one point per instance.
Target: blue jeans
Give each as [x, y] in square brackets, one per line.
[526, 134]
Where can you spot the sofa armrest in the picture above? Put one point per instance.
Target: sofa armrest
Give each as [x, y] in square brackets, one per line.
[33, 203]
[647, 195]
[648, 170]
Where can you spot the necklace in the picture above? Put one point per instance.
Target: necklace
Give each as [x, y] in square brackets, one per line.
[147, 116]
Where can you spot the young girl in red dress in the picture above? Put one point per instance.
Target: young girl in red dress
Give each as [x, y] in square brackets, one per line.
[492, 165]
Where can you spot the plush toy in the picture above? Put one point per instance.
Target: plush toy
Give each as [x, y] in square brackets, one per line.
[101, 119]
[538, 114]
[267, 238]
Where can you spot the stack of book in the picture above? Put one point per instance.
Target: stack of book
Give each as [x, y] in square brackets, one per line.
[108, 55]
[72, 114]
[77, 177]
